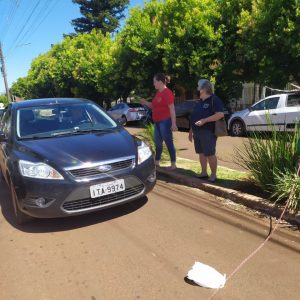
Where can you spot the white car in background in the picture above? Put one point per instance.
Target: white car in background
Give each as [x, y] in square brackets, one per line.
[280, 112]
[127, 112]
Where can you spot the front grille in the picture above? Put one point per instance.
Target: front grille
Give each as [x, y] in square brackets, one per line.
[91, 203]
[94, 171]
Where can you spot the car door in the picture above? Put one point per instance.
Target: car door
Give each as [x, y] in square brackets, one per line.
[113, 111]
[262, 114]
[122, 110]
[274, 115]
[292, 111]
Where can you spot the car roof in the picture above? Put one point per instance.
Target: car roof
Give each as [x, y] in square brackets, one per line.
[296, 93]
[47, 101]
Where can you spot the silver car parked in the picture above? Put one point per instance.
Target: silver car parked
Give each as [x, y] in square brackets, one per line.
[127, 112]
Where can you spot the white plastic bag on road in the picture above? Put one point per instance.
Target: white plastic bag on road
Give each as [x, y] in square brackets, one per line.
[206, 276]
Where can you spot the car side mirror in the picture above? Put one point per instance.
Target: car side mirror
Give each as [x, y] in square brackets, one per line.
[2, 137]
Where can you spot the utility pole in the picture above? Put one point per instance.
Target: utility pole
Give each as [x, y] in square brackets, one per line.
[3, 69]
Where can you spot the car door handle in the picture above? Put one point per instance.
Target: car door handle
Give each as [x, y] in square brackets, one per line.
[274, 114]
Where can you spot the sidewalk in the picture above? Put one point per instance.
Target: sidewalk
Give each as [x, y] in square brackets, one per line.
[225, 149]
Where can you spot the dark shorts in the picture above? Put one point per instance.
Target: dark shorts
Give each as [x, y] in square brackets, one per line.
[205, 142]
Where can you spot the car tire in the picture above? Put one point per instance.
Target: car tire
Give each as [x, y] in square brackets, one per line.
[237, 128]
[123, 120]
[20, 217]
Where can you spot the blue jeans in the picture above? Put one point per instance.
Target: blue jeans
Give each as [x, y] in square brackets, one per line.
[163, 133]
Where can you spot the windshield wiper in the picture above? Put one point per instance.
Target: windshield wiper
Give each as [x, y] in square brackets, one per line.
[35, 137]
[64, 133]
[94, 129]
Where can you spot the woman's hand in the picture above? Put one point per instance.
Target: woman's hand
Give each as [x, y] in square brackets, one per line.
[143, 101]
[146, 103]
[174, 127]
[200, 122]
[190, 136]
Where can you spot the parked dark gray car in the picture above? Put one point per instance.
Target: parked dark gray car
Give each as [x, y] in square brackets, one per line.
[184, 109]
[63, 157]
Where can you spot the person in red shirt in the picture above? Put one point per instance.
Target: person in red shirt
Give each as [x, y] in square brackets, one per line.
[164, 118]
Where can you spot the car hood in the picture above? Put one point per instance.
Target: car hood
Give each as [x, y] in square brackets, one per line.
[68, 151]
[241, 113]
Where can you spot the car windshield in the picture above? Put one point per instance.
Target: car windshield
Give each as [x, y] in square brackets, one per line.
[61, 119]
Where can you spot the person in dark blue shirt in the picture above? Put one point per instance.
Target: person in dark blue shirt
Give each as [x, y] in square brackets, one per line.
[206, 112]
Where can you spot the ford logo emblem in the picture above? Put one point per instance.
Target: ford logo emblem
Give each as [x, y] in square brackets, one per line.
[104, 168]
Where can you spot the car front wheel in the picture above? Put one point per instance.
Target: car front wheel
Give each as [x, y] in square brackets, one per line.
[237, 128]
[123, 120]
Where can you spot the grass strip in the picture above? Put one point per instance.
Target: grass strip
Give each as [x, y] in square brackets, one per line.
[228, 178]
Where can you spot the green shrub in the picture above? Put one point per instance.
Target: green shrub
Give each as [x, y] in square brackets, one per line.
[287, 187]
[3, 99]
[268, 154]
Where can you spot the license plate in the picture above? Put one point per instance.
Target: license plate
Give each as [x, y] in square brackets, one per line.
[107, 188]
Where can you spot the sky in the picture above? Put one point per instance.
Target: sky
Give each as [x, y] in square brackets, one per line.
[28, 28]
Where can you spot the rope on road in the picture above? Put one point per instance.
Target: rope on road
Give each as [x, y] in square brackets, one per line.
[260, 246]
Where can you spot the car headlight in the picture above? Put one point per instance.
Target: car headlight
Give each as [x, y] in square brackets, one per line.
[38, 170]
[144, 152]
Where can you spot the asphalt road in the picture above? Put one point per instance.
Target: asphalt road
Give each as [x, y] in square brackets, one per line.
[143, 250]
[226, 147]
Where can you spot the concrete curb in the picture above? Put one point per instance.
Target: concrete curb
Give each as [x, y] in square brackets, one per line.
[253, 202]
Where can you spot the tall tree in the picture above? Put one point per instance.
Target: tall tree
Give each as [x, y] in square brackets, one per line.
[232, 69]
[77, 67]
[100, 14]
[176, 37]
[270, 41]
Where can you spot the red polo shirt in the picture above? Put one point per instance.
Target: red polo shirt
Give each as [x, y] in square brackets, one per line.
[160, 105]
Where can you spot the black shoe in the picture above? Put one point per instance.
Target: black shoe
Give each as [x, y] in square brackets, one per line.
[212, 180]
[202, 176]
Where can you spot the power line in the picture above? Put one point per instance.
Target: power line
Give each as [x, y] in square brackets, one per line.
[40, 18]
[24, 26]
[10, 18]
[37, 16]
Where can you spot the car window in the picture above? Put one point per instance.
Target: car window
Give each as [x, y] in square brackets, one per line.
[134, 105]
[46, 121]
[259, 106]
[293, 100]
[6, 122]
[271, 103]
